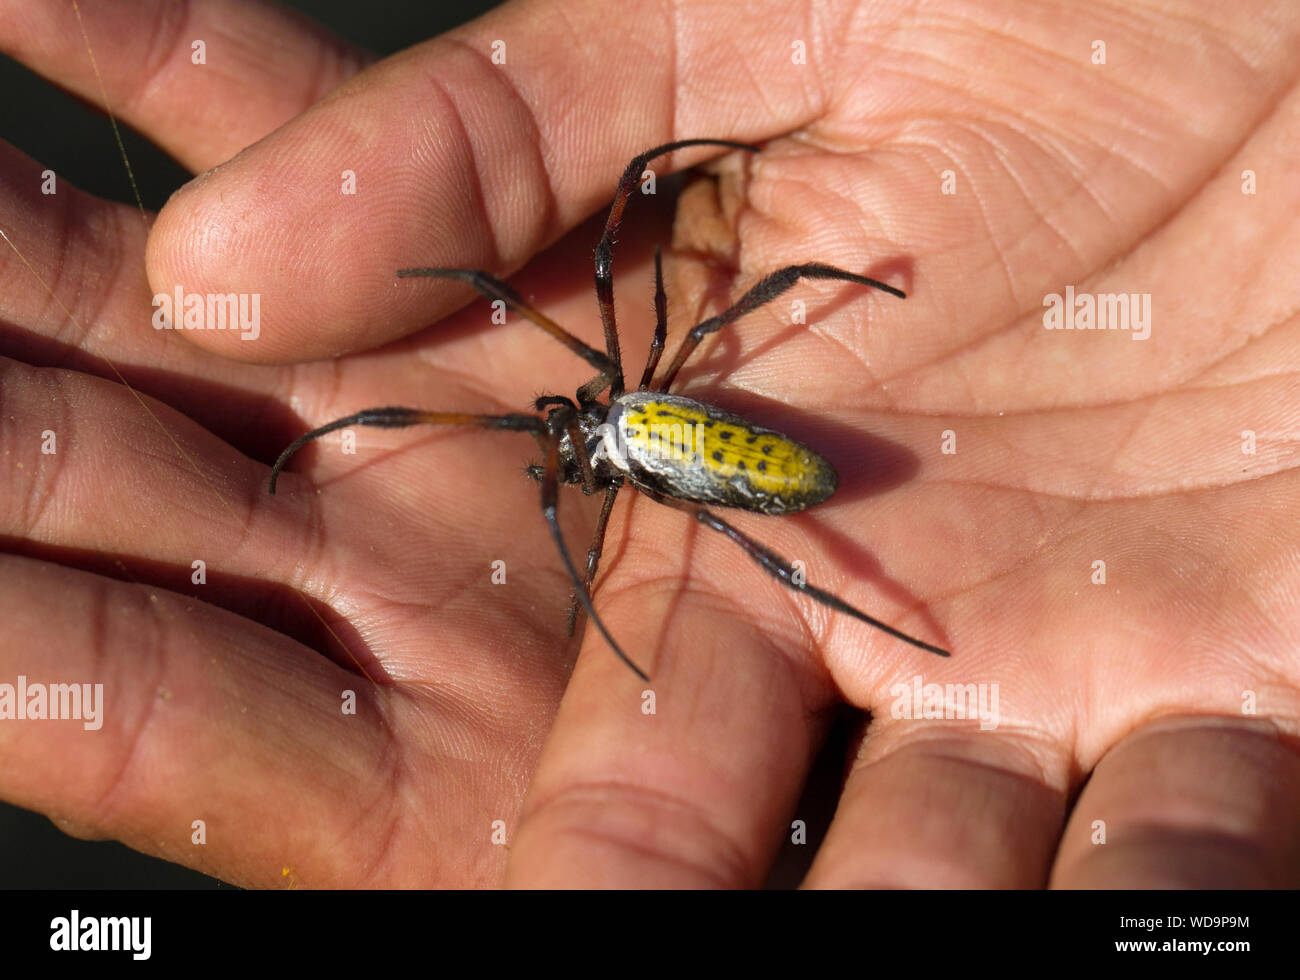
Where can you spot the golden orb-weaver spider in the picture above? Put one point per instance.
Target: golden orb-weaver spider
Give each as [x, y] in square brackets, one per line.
[677, 451]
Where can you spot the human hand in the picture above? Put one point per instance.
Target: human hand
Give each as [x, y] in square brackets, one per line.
[1072, 448]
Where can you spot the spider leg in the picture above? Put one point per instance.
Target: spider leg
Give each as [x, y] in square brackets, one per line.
[397, 418]
[764, 291]
[661, 324]
[580, 456]
[494, 288]
[550, 499]
[784, 572]
[594, 551]
[588, 475]
[605, 251]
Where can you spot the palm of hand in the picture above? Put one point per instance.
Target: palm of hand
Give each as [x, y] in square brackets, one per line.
[1072, 448]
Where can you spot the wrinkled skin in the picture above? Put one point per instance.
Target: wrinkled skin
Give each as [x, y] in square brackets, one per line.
[1071, 449]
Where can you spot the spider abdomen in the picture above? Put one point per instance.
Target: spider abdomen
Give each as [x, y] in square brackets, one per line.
[686, 449]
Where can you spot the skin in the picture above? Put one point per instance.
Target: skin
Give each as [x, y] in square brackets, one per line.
[1120, 703]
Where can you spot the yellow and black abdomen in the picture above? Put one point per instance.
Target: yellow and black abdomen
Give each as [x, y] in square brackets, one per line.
[686, 449]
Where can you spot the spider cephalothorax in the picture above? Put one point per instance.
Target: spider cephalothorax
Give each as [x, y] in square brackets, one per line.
[678, 451]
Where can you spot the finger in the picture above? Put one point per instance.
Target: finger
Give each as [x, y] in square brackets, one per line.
[946, 809]
[261, 65]
[686, 781]
[1204, 802]
[67, 243]
[76, 297]
[93, 461]
[464, 161]
[203, 716]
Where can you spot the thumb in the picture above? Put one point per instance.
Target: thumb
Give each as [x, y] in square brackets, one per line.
[474, 149]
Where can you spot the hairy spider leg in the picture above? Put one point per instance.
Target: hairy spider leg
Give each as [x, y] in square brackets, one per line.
[557, 423]
[764, 291]
[661, 325]
[781, 570]
[494, 288]
[548, 432]
[597, 546]
[605, 257]
[397, 418]
[594, 551]
[588, 476]
[580, 456]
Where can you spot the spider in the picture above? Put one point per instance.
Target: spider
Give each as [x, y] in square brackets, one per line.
[675, 450]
